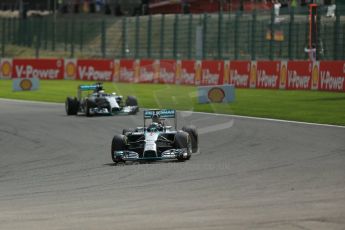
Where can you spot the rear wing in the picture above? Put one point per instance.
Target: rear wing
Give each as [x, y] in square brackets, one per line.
[87, 87]
[95, 87]
[162, 113]
[98, 86]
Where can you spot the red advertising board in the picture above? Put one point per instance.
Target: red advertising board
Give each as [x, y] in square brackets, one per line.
[299, 75]
[128, 70]
[167, 71]
[291, 75]
[185, 72]
[38, 68]
[332, 76]
[240, 73]
[268, 74]
[212, 72]
[95, 70]
[148, 70]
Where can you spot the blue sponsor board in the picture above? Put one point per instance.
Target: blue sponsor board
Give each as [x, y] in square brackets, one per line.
[216, 94]
[25, 84]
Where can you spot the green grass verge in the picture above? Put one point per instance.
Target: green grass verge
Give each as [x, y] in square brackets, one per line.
[307, 106]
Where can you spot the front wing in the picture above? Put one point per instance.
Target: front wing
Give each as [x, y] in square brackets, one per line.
[166, 155]
[127, 110]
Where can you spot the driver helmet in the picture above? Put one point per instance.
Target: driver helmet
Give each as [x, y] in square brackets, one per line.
[156, 118]
[153, 127]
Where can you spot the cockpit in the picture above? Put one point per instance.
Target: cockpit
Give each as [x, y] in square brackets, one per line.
[155, 127]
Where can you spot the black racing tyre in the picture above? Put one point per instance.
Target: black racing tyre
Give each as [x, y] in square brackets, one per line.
[131, 101]
[71, 106]
[193, 133]
[124, 131]
[87, 108]
[118, 144]
[135, 110]
[183, 141]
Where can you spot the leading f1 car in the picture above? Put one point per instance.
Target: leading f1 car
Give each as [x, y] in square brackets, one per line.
[158, 140]
[99, 103]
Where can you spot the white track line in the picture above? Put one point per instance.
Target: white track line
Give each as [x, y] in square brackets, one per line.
[209, 114]
[28, 101]
[266, 119]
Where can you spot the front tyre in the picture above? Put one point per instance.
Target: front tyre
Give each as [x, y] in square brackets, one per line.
[183, 141]
[118, 144]
[71, 106]
[131, 101]
[193, 133]
[125, 131]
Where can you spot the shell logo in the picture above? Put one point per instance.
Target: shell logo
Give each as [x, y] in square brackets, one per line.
[71, 69]
[6, 69]
[25, 84]
[216, 95]
[315, 77]
[283, 75]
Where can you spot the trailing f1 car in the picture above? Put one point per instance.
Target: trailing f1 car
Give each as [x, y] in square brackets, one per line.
[99, 102]
[155, 141]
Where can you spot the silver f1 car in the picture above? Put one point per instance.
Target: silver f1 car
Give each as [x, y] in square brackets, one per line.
[98, 102]
[156, 141]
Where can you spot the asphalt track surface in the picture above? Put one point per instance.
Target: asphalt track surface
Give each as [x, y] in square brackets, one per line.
[56, 173]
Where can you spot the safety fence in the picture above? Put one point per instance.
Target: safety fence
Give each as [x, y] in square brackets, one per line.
[258, 35]
[288, 75]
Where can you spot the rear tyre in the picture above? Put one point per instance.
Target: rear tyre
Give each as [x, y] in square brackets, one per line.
[193, 133]
[71, 106]
[87, 108]
[183, 141]
[118, 144]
